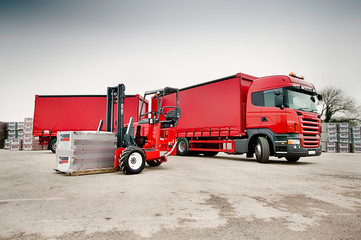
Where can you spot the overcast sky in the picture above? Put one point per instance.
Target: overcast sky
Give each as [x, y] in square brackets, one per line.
[82, 47]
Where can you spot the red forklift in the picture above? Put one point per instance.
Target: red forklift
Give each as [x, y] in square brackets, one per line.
[150, 140]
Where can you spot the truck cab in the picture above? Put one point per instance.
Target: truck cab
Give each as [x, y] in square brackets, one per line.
[283, 109]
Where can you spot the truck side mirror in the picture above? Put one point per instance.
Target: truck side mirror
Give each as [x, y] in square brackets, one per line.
[279, 101]
[319, 97]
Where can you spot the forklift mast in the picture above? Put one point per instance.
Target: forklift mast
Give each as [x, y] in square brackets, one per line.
[116, 94]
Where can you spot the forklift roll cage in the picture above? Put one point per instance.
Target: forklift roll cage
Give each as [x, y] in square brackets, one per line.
[168, 115]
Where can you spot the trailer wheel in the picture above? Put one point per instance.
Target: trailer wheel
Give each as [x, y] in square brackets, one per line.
[183, 147]
[153, 163]
[262, 150]
[52, 145]
[132, 160]
[292, 159]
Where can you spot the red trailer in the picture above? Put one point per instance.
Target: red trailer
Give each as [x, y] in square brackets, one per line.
[55, 113]
[268, 116]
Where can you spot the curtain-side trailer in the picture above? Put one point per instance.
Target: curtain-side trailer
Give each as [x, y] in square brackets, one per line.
[53, 113]
[268, 116]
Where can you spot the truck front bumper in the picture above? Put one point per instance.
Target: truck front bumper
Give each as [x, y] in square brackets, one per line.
[296, 150]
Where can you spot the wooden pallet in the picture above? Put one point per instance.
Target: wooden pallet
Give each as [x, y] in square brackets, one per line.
[86, 172]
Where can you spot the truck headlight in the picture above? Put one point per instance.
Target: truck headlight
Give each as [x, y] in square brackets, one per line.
[294, 141]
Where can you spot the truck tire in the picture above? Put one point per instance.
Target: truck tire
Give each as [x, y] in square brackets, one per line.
[262, 150]
[52, 145]
[292, 159]
[132, 160]
[183, 147]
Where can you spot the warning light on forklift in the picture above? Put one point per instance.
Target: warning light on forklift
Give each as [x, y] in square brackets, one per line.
[296, 76]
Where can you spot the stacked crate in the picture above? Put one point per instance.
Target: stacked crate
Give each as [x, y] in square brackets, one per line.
[330, 137]
[28, 134]
[11, 129]
[20, 129]
[20, 136]
[30, 143]
[340, 137]
[33, 144]
[13, 142]
[355, 144]
[16, 144]
[343, 138]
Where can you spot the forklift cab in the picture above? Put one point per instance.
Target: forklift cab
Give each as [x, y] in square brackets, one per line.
[167, 116]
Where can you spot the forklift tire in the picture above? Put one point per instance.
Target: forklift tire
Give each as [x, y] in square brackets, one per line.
[153, 163]
[52, 145]
[132, 160]
[261, 148]
[182, 147]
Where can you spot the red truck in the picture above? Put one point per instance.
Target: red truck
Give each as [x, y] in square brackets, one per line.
[55, 113]
[267, 116]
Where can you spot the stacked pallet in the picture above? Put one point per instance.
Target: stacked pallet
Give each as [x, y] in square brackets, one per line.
[355, 140]
[16, 144]
[329, 137]
[12, 142]
[20, 136]
[29, 142]
[85, 152]
[340, 137]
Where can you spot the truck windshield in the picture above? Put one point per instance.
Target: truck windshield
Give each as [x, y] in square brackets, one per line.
[302, 101]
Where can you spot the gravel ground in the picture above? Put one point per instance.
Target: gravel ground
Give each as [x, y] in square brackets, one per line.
[222, 197]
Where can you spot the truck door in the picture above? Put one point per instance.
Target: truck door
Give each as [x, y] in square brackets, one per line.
[273, 117]
[254, 110]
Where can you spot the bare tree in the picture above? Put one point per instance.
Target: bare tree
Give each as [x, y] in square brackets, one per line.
[337, 106]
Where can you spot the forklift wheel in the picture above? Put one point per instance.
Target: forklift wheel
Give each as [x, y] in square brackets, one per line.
[132, 160]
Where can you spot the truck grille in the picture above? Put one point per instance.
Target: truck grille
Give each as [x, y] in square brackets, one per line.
[310, 133]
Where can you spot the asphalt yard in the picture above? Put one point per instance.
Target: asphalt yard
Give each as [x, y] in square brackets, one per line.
[221, 197]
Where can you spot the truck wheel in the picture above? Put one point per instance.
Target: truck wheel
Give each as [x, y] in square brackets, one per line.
[52, 145]
[262, 150]
[183, 147]
[132, 160]
[153, 163]
[292, 159]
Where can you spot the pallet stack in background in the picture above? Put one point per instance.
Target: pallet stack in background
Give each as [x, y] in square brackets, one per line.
[356, 139]
[14, 135]
[19, 136]
[340, 138]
